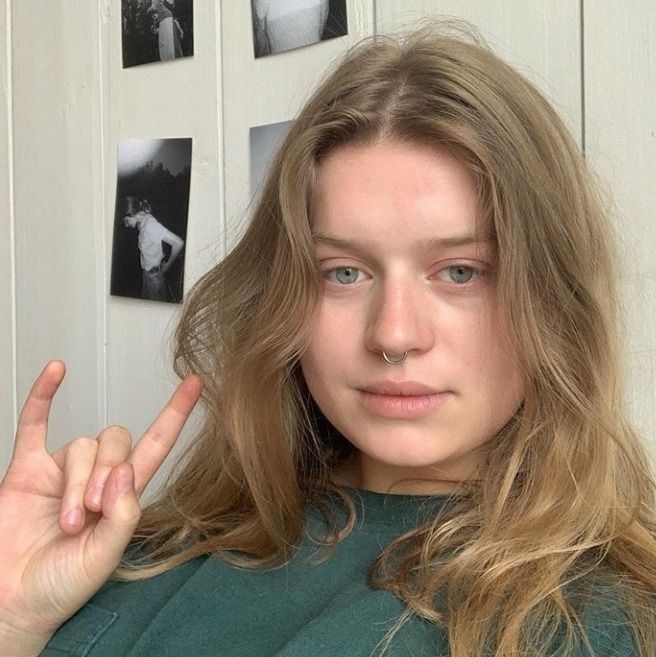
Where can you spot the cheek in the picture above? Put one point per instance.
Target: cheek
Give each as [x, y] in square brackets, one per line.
[311, 358]
[492, 362]
[495, 388]
[320, 381]
[335, 334]
[331, 351]
[317, 357]
[504, 380]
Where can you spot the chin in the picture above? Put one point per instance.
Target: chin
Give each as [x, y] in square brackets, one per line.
[410, 451]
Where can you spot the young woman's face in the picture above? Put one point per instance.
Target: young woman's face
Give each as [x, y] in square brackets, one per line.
[130, 220]
[391, 226]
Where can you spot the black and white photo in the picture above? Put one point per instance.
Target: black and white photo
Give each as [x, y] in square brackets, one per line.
[264, 141]
[150, 219]
[280, 25]
[156, 30]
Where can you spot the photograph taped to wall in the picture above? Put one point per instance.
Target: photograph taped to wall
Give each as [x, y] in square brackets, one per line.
[264, 141]
[150, 219]
[156, 30]
[280, 25]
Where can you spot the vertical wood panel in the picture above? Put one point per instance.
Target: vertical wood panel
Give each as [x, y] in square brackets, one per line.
[180, 98]
[58, 231]
[541, 38]
[7, 383]
[620, 128]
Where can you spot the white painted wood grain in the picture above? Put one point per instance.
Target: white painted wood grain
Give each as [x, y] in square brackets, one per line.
[59, 254]
[7, 382]
[620, 129]
[541, 38]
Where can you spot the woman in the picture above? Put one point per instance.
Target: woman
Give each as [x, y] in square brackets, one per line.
[152, 236]
[414, 441]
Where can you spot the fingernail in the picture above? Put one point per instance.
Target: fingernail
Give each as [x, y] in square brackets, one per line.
[96, 495]
[74, 517]
[124, 480]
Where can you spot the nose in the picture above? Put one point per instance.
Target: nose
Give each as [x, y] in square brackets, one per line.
[398, 320]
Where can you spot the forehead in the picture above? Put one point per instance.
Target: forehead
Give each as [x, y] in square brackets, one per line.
[398, 190]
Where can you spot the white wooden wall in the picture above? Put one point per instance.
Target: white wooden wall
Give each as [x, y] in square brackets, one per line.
[7, 344]
[620, 137]
[65, 102]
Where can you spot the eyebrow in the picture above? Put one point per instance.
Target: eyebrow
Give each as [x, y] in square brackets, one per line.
[432, 244]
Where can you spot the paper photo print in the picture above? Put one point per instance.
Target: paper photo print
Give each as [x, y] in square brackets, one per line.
[150, 219]
[280, 25]
[263, 144]
[156, 30]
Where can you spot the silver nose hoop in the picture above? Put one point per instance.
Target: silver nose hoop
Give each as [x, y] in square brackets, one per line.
[394, 361]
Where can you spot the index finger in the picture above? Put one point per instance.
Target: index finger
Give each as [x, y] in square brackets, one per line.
[32, 429]
[158, 440]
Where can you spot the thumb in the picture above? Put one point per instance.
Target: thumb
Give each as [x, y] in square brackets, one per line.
[120, 515]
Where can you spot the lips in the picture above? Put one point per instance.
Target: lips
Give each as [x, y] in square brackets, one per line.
[400, 388]
[402, 399]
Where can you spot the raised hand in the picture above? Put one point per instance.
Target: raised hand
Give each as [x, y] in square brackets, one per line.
[67, 517]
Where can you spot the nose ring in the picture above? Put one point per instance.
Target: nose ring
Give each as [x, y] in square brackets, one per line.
[395, 361]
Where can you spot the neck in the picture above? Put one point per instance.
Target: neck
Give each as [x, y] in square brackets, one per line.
[360, 471]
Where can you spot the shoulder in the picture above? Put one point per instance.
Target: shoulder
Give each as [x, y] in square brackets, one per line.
[151, 224]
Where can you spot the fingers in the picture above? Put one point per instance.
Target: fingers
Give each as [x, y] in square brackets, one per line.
[120, 515]
[114, 446]
[119, 503]
[156, 443]
[87, 464]
[32, 428]
[80, 459]
[92, 468]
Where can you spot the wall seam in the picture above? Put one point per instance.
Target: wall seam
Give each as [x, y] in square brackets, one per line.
[582, 47]
[12, 210]
[102, 381]
[220, 104]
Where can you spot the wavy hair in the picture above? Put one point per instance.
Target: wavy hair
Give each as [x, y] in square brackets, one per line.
[565, 504]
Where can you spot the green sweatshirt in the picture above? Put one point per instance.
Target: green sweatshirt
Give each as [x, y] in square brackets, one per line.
[207, 608]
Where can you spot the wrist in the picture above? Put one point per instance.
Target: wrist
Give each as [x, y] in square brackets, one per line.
[16, 643]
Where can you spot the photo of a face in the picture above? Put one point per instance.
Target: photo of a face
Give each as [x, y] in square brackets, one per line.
[281, 25]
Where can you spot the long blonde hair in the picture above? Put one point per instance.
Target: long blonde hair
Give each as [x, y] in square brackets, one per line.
[564, 508]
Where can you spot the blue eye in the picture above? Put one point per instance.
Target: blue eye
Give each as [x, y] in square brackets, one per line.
[344, 275]
[462, 274]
